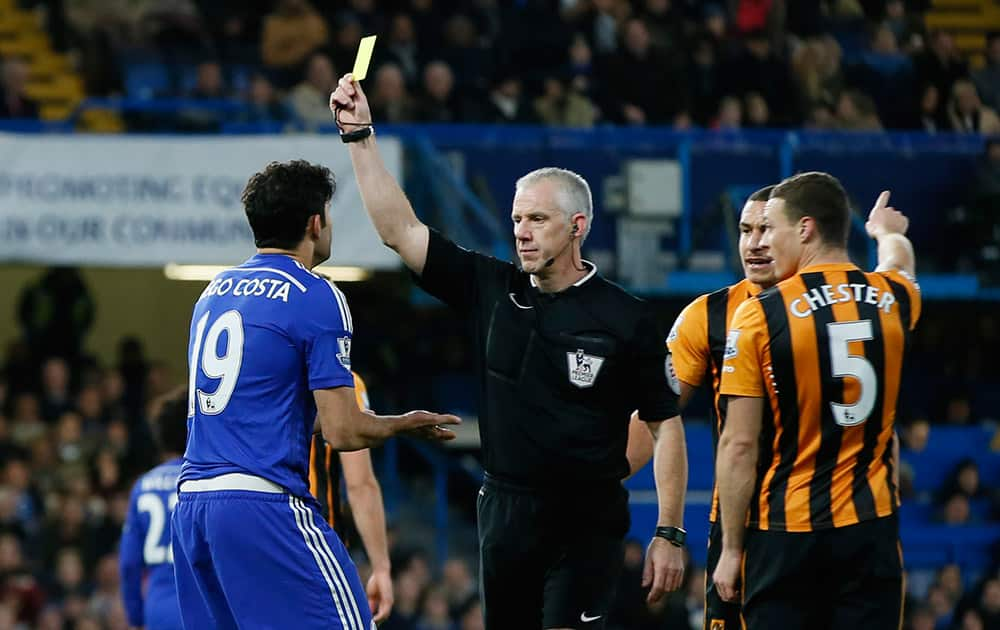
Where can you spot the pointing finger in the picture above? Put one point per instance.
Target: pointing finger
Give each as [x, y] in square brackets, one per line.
[883, 200]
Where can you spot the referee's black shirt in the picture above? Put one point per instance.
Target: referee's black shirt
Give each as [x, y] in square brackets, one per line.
[560, 373]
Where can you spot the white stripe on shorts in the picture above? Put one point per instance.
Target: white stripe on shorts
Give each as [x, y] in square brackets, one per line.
[301, 517]
[339, 578]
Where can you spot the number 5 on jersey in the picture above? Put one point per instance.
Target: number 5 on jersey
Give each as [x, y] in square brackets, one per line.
[205, 357]
[844, 364]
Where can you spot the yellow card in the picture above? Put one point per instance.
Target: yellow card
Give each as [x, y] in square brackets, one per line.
[364, 57]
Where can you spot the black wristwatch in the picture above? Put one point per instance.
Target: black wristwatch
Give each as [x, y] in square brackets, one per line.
[673, 535]
[357, 135]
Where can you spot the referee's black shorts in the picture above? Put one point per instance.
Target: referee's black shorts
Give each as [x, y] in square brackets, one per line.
[845, 578]
[549, 559]
[719, 614]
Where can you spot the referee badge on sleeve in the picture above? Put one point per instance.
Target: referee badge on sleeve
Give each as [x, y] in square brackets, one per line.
[731, 350]
[344, 356]
[583, 368]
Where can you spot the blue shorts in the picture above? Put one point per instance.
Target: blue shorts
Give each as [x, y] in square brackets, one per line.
[247, 559]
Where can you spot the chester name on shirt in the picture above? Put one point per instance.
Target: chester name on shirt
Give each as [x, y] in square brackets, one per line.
[828, 294]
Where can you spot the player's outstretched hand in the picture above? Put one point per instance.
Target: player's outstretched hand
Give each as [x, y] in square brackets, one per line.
[664, 568]
[429, 426]
[350, 105]
[727, 575]
[884, 219]
[380, 595]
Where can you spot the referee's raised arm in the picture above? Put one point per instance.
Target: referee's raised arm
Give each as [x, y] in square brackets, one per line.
[396, 223]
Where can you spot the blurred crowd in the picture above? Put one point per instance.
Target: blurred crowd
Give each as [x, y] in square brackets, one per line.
[724, 64]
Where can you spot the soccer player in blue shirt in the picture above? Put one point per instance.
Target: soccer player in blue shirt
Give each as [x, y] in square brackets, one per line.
[269, 354]
[145, 545]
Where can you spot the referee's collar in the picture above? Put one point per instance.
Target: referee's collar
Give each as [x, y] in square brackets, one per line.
[578, 283]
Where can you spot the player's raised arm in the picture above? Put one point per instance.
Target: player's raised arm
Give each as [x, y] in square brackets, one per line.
[888, 226]
[347, 428]
[396, 223]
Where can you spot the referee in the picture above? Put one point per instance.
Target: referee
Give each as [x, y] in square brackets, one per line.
[563, 357]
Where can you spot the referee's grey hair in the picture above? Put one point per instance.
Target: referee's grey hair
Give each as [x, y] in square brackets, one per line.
[573, 192]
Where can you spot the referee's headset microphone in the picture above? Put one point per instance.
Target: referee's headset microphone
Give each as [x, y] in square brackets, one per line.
[572, 236]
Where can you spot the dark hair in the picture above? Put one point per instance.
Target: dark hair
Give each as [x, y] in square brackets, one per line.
[763, 194]
[171, 424]
[820, 196]
[280, 200]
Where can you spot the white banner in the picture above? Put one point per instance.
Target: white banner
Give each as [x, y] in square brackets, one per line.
[148, 201]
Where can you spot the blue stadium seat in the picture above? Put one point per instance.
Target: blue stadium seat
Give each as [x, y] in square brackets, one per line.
[146, 79]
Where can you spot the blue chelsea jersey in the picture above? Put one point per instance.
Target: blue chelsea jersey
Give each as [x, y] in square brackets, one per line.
[146, 554]
[264, 335]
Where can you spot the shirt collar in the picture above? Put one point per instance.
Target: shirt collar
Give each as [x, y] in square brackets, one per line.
[578, 283]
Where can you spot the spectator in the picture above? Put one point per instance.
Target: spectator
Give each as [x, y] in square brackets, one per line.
[465, 55]
[989, 604]
[235, 28]
[758, 67]
[561, 106]
[14, 99]
[753, 15]
[471, 617]
[915, 435]
[70, 575]
[434, 611]
[820, 118]
[964, 480]
[21, 590]
[972, 619]
[715, 24]
[26, 425]
[581, 66]
[949, 578]
[967, 113]
[923, 619]
[506, 103]
[929, 115]
[940, 604]
[401, 49]
[348, 32]
[437, 103]
[310, 100]
[389, 99]
[856, 112]
[263, 103]
[907, 28]
[598, 22]
[940, 64]
[641, 85]
[987, 78]
[705, 80]
[663, 17]
[175, 28]
[406, 609]
[56, 395]
[757, 114]
[291, 33]
[56, 313]
[956, 510]
[71, 448]
[958, 411]
[730, 116]
[458, 583]
[25, 503]
[91, 408]
[209, 83]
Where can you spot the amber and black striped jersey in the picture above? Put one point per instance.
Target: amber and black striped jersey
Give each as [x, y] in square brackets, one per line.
[825, 348]
[325, 472]
[695, 346]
